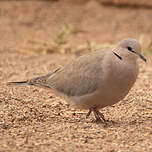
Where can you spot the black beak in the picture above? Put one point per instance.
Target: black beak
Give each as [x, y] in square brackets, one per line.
[142, 57]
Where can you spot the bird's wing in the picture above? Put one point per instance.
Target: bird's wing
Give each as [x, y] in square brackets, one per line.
[82, 76]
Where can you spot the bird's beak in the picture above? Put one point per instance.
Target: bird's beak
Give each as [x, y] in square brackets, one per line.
[142, 57]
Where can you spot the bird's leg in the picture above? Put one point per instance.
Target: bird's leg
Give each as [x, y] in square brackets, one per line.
[95, 112]
[98, 115]
[89, 112]
[101, 116]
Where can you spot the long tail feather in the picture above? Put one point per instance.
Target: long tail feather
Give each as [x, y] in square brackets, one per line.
[17, 83]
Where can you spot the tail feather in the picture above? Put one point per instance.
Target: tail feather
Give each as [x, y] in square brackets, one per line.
[35, 81]
[17, 83]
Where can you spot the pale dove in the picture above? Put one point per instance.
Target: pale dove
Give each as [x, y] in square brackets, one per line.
[95, 80]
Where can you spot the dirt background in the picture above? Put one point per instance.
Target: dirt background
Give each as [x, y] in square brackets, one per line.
[38, 36]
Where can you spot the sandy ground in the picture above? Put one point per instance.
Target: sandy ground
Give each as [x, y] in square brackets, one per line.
[33, 119]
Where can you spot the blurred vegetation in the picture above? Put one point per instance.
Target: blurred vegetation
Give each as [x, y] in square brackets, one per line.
[61, 45]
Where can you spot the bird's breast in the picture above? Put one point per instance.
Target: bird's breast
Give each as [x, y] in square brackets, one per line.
[119, 78]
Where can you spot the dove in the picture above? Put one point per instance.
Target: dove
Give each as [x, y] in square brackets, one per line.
[95, 80]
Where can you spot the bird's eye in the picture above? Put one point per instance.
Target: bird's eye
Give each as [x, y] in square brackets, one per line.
[129, 48]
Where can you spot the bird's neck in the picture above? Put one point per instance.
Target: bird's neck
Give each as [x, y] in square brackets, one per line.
[127, 56]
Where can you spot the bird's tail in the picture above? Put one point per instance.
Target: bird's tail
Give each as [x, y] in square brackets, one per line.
[35, 81]
[17, 83]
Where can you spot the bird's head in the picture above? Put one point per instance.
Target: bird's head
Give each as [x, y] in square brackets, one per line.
[129, 48]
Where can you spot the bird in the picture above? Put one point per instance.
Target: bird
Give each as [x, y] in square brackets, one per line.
[95, 80]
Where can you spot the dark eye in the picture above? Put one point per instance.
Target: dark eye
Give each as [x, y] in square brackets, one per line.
[129, 48]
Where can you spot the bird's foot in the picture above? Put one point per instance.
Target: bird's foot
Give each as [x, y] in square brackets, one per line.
[98, 115]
